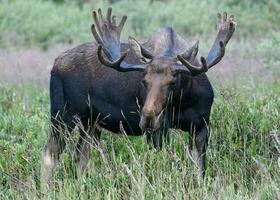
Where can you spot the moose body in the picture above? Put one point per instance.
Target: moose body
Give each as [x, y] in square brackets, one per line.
[92, 91]
[140, 92]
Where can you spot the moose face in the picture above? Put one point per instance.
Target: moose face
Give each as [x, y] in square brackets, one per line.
[158, 82]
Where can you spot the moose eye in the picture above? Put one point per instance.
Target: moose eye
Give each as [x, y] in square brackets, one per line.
[144, 83]
[172, 83]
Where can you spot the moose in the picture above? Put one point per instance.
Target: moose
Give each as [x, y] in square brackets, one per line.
[134, 87]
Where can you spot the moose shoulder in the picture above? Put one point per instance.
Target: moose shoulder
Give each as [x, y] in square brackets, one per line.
[132, 87]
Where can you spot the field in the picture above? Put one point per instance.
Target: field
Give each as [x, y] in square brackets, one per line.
[244, 148]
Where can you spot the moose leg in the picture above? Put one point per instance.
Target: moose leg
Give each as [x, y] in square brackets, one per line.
[191, 132]
[201, 141]
[165, 131]
[155, 139]
[86, 139]
[53, 148]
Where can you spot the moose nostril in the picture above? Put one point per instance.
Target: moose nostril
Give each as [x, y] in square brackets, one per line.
[149, 113]
[146, 122]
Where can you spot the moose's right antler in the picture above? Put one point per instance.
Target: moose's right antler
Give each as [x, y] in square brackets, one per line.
[107, 34]
[225, 28]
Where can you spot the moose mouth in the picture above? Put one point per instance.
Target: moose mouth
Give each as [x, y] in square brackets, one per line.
[150, 123]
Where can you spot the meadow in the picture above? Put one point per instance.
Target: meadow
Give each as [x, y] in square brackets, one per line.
[244, 148]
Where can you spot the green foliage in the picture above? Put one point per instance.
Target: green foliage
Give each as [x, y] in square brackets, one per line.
[21, 129]
[45, 23]
[242, 155]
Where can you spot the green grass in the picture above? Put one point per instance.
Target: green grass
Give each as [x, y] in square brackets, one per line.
[243, 162]
[45, 23]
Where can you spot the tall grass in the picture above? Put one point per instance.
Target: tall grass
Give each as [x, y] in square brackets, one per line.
[243, 159]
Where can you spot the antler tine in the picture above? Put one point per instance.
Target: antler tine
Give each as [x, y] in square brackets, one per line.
[219, 18]
[224, 16]
[231, 17]
[195, 70]
[100, 14]
[114, 20]
[96, 21]
[121, 24]
[109, 15]
[95, 34]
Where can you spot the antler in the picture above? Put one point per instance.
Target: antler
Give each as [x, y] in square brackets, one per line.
[107, 34]
[225, 28]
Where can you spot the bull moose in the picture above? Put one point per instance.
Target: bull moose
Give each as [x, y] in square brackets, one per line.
[148, 87]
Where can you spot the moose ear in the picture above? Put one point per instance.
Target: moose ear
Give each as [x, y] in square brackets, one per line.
[191, 53]
[143, 54]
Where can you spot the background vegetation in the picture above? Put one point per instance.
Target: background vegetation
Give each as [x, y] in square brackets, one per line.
[244, 148]
[46, 22]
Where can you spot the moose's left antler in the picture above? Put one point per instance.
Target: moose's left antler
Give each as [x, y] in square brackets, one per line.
[107, 29]
[107, 34]
[225, 28]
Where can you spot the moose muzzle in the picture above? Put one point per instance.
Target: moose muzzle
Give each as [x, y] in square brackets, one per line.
[150, 120]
